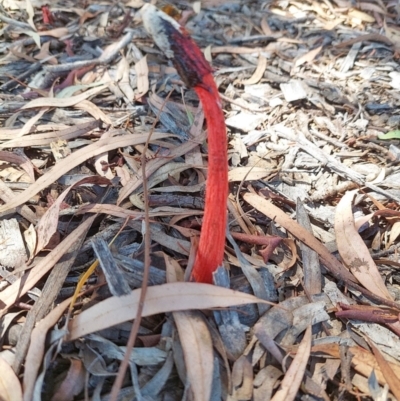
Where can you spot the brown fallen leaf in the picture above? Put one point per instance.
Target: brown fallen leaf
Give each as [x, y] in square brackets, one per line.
[73, 383]
[360, 15]
[155, 164]
[247, 173]
[10, 388]
[64, 102]
[258, 73]
[392, 380]
[331, 263]
[142, 73]
[16, 290]
[273, 212]
[52, 135]
[294, 375]
[37, 348]
[197, 351]
[363, 361]
[159, 299]
[48, 224]
[242, 379]
[353, 250]
[308, 57]
[195, 339]
[76, 158]
[20, 160]
[56, 32]
[93, 110]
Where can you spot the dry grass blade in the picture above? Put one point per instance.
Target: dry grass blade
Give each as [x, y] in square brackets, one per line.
[294, 375]
[159, 299]
[198, 352]
[354, 252]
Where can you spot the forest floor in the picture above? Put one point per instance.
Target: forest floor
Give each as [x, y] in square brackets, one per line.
[89, 106]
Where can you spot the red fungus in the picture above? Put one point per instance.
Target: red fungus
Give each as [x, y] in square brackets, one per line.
[195, 71]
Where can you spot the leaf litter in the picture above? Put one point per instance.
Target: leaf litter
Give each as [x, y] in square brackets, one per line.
[306, 304]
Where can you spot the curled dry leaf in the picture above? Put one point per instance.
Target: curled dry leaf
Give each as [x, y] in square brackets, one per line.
[394, 233]
[7, 194]
[242, 379]
[258, 73]
[52, 135]
[19, 159]
[55, 33]
[94, 111]
[27, 127]
[123, 79]
[359, 15]
[30, 238]
[159, 299]
[101, 162]
[353, 250]
[195, 339]
[31, 13]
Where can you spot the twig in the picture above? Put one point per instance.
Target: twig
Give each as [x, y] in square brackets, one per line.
[136, 324]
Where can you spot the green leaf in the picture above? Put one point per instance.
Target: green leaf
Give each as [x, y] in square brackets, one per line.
[390, 135]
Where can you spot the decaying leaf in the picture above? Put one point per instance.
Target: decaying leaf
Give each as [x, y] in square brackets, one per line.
[354, 252]
[198, 352]
[48, 223]
[10, 387]
[294, 375]
[159, 299]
